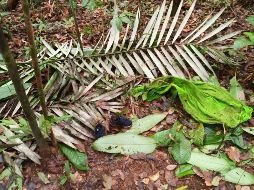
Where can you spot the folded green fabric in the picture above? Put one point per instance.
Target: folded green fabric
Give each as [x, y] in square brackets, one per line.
[205, 102]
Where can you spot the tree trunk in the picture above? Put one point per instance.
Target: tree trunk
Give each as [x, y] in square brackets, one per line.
[19, 88]
[33, 53]
[73, 6]
[12, 4]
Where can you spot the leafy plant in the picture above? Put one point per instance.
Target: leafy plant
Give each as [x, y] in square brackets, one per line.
[160, 49]
[41, 25]
[162, 138]
[88, 30]
[78, 159]
[92, 4]
[197, 135]
[248, 39]
[184, 170]
[68, 23]
[68, 174]
[181, 149]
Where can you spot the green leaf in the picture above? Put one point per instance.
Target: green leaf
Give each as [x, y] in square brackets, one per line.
[206, 162]
[91, 4]
[162, 138]
[241, 43]
[237, 140]
[7, 91]
[145, 123]
[43, 177]
[63, 179]
[197, 135]
[67, 168]
[78, 159]
[19, 182]
[250, 36]
[212, 136]
[239, 176]
[125, 143]
[181, 150]
[5, 174]
[236, 89]
[250, 19]
[125, 19]
[249, 130]
[119, 24]
[184, 170]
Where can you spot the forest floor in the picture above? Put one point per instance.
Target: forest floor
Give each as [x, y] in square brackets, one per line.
[155, 171]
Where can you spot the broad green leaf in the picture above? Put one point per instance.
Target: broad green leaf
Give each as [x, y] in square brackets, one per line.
[237, 140]
[181, 149]
[162, 138]
[239, 176]
[250, 19]
[43, 177]
[9, 90]
[146, 123]
[184, 170]
[205, 102]
[249, 130]
[197, 135]
[206, 162]
[78, 159]
[241, 43]
[236, 89]
[125, 143]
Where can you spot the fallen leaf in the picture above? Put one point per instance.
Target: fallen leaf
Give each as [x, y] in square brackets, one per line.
[146, 181]
[43, 177]
[216, 180]
[238, 187]
[183, 188]
[206, 175]
[107, 182]
[233, 153]
[118, 173]
[170, 178]
[245, 156]
[171, 119]
[171, 167]
[154, 177]
[81, 147]
[245, 188]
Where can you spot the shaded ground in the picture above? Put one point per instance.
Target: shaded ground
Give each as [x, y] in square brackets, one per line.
[136, 172]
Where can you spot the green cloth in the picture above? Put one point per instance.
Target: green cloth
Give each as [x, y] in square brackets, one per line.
[205, 102]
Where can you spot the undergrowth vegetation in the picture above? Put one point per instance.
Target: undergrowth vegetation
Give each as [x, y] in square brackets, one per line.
[91, 94]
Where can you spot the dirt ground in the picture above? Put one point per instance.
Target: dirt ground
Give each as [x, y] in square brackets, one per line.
[155, 171]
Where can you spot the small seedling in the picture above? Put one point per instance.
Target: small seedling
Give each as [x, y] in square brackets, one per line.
[68, 175]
